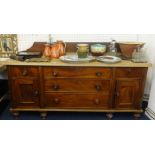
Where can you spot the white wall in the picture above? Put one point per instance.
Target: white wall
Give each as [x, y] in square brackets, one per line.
[25, 41]
[149, 39]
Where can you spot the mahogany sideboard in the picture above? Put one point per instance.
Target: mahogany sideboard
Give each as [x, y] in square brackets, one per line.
[93, 87]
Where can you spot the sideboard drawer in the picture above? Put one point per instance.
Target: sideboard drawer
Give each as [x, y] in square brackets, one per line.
[77, 85]
[68, 100]
[74, 72]
[130, 72]
[24, 71]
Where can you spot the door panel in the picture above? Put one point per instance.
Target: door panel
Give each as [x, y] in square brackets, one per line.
[26, 92]
[127, 94]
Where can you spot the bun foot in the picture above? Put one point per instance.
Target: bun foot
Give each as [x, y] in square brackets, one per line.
[137, 115]
[109, 115]
[15, 115]
[43, 115]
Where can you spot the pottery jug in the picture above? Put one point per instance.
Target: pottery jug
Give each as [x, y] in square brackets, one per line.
[82, 50]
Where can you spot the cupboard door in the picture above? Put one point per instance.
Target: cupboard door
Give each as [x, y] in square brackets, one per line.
[25, 93]
[127, 94]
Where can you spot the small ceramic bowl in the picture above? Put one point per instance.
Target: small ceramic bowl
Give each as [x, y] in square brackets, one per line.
[98, 49]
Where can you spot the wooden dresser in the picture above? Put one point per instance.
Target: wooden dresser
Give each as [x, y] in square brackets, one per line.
[61, 87]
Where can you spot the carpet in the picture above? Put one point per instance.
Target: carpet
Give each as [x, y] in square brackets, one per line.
[6, 115]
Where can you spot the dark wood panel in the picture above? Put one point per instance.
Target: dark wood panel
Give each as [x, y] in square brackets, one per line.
[77, 85]
[78, 100]
[130, 72]
[25, 92]
[74, 72]
[24, 71]
[127, 94]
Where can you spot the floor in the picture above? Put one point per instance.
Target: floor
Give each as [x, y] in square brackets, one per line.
[6, 115]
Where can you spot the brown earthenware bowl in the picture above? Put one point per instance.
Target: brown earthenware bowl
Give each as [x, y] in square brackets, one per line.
[127, 48]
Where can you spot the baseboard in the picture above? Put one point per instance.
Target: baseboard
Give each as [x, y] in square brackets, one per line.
[150, 114]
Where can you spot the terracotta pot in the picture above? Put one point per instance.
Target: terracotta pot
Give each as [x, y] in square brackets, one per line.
[127, 48]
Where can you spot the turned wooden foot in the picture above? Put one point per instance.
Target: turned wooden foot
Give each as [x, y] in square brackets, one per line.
[15, 115]
[109, 115]
[43, 115]
[137, 115]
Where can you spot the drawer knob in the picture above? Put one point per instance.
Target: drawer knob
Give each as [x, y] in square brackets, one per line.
[36, 93]
[98, 87]
[129, 70]
[97, 101]
[56, 100]
[117, 94]
[55, 74]
[55, 87]
[24, 72]
[98, 74]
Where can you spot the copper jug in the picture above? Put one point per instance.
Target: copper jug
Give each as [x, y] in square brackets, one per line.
[54, 51]
[58, 49]
[61, 46]
[47, 51]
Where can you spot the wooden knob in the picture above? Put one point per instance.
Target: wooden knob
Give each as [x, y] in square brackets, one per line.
[98, 74]
[55, 74]
[117, 94]
[55, 87]
[129, 70]
[36, 93]
[97, 101]
[56, 100]
[98, 87]
[24, 72]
